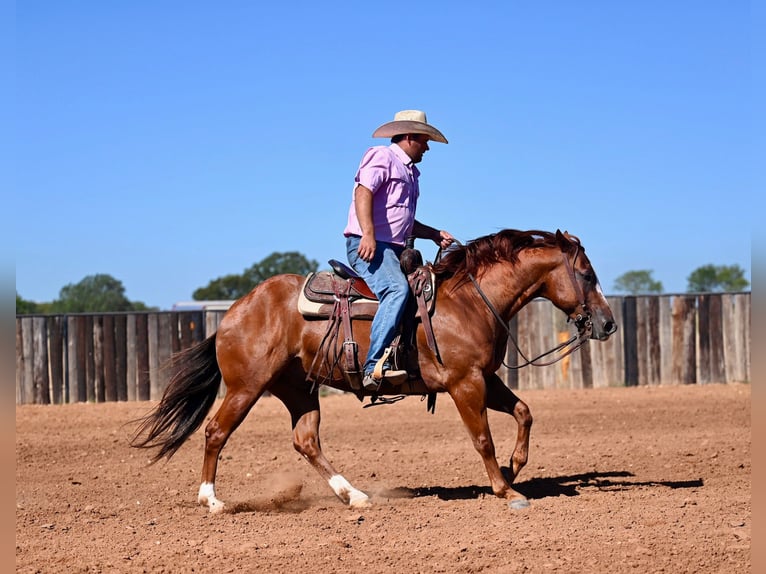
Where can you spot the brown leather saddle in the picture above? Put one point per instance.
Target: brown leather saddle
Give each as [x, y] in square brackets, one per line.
[341, 295]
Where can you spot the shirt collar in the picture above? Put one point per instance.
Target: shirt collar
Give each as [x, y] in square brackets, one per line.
[402, 155]
[404, 158]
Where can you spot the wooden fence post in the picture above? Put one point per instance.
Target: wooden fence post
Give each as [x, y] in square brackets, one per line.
[19, 363]
[630, 341]
[166, 333]
[56, 354]
[154, 357]
[711, 360]
[110, 359]
[41, 382]
[27, 392]
[684, 339]
[143, 369]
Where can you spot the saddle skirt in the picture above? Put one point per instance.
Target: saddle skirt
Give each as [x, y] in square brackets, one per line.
[318, 295]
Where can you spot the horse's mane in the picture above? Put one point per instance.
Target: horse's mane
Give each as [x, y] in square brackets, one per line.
[482, 252]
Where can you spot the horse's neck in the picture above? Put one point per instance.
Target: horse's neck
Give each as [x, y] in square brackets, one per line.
[511, 286]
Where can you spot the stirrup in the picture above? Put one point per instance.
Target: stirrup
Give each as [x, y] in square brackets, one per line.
[377, 372]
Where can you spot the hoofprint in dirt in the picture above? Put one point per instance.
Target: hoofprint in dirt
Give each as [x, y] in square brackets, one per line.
[649, 479]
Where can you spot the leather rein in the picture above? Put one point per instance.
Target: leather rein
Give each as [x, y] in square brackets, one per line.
[582, 319]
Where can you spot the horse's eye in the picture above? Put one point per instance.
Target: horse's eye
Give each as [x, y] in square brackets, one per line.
[588, 277]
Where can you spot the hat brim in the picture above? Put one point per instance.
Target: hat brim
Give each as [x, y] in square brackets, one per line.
[400, 127]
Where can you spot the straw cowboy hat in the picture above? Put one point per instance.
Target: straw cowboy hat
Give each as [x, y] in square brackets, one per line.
[409, 122]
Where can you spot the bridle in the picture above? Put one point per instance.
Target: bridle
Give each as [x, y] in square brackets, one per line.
[580, 316]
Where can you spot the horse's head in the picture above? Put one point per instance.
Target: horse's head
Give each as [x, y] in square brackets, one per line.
[574, 288]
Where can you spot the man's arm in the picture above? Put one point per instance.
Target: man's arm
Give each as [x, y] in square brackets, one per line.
[363, 208]
[442, 238]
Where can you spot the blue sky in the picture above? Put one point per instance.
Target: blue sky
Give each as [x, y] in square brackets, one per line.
[169, 143]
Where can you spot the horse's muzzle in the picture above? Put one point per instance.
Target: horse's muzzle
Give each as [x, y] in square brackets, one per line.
[602, 331]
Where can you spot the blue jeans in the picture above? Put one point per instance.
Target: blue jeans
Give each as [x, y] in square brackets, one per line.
[385, 277]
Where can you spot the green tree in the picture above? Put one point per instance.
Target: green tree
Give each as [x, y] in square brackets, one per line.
[226, 288]
[24, 307]
[637, 283]
[710, 278]
[94, 294]
[230, 287]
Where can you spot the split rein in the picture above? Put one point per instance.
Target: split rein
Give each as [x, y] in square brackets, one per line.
[582, 320]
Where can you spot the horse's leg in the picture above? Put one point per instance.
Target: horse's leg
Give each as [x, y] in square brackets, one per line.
[233, 410]
[471, 401]
[304, 411]
[501, 398]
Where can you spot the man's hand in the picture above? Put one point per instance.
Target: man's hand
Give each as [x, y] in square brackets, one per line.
[366, 248]
[444, 239]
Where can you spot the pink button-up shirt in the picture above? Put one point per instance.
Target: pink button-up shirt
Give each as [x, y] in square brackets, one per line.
[393, 179]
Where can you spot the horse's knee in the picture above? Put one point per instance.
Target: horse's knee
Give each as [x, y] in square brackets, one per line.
[484, 445]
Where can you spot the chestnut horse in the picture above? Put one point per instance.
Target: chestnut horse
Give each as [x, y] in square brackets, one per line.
[263, 343]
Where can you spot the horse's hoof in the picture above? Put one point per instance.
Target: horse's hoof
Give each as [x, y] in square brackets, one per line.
[518, 503]
[216, 506]
[360, 501]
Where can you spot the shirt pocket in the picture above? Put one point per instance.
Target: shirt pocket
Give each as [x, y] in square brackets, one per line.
[400, 188]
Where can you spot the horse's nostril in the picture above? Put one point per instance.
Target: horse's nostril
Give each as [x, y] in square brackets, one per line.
[610, 327]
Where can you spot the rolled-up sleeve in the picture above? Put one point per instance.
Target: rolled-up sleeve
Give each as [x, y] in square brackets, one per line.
[374, 169]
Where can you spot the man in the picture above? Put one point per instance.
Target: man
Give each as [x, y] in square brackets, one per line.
[380, 219]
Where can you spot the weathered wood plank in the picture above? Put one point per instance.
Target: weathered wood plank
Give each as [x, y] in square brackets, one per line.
[174, 331]
[665, 340]
[91, 377]
[109, 358]
[190, 328]
[212, 320]
[166, 335]
[548, 318]
[155, 391]
[197, 325]
[607, 356]
[703, 340]
[71, 360]
[56, 327]
[28, 345]
[642, 337]
[747, 329]
[630, 341]
[41, 383]
[19, 363]
[736, 336]
[684, 339]
[143, 368]
[75, 359]
[121, 356]
[717, 366]
[654, 351]
[131, 381]
[522, 340]
[98, 359]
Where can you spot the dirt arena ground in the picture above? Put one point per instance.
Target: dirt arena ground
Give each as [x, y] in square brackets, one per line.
[620, 480]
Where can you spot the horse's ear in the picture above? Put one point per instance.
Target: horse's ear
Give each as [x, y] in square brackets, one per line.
[563, 240]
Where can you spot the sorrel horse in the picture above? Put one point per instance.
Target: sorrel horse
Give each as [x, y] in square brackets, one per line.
[263, 343]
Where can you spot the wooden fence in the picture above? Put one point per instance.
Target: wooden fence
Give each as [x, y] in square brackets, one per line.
[662, 339]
